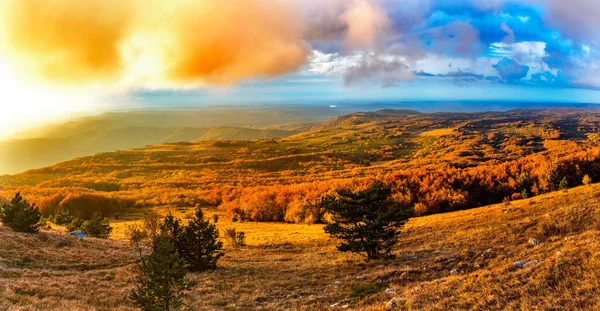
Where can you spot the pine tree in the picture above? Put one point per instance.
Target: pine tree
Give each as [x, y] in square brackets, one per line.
[199, 245]
[162, 280]
[366, 221]
[20, 216]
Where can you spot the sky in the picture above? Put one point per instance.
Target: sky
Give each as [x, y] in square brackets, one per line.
[59, 57]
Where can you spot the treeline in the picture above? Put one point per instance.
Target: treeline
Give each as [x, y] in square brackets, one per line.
[429, 191]
[64, 207]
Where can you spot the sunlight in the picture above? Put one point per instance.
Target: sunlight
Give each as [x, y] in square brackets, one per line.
[26, 104]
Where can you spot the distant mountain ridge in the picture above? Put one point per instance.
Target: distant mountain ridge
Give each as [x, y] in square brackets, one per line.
[23, 154]
[51, 144]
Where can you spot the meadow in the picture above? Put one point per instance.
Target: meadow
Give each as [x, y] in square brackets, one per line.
[453, 261]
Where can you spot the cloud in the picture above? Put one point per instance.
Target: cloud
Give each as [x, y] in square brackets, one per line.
[68, 39]
[184, 43]
[352, 24]
[454, 38]
[510, 34]
[510, 71]
[575, 18]
[377, 69]
[187, 41]
[367, 24]
[226, 41]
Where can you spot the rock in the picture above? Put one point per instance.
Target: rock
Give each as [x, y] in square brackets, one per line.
[334, 305]
[395, 304]
[488, 254]
[534, 241]
[362, 276]
[392, 305]
[345, 306]
[337, 283]
[519, 264]
[531, 263]
[509, 253]
[390, 291]
[454, 272]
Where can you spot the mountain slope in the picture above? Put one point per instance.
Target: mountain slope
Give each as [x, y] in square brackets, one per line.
[24, 154]
[463, 260]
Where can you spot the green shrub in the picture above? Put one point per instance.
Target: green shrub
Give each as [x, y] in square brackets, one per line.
[74, 225]
[98, 226]
[20, 216]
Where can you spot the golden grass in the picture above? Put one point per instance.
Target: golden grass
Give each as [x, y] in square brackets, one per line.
[438, 132]
[296, 267]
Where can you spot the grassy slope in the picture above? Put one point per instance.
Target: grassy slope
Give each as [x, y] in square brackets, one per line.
[296, 267]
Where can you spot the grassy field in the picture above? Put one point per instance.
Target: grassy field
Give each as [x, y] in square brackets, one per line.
[454, 261]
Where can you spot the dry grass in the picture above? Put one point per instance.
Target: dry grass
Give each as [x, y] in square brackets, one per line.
[296, 267]
[438, 132]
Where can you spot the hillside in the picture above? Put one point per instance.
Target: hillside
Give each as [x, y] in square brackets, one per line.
[455, 261]
[437, 162]
[21, 155]
[86, 136]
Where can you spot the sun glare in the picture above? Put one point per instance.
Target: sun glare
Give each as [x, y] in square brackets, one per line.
[26, 104]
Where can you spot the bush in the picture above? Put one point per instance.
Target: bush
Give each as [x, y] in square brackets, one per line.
[366, 221]
[98, 226]
[75, 225]
[161, 280]
[84, 205]
[20, 216]
[587, 179]
[564, 184]
[234, 238]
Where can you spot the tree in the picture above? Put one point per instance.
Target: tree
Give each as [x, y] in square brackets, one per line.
[21, 216]
[366, 221]
[587, 179]
[198, 244]
[98, 226]
[161, 282]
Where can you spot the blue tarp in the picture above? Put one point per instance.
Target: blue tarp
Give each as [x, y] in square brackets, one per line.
[78, 234]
